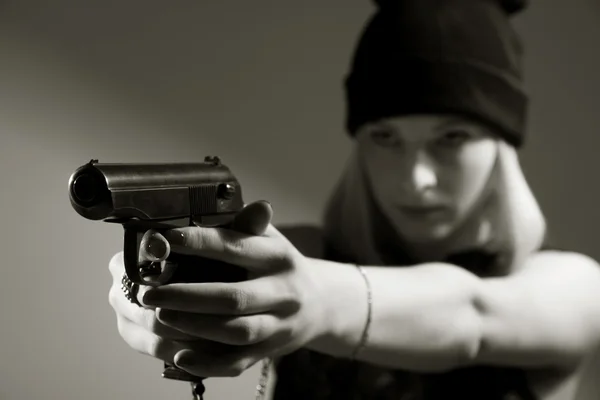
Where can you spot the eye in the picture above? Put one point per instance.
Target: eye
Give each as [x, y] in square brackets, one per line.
[455, 138]
[383, 137]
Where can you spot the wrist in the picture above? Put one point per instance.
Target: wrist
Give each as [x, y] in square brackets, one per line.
[342, 297]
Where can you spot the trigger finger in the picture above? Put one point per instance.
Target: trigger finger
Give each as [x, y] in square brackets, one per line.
[154, 247]
[152, 258]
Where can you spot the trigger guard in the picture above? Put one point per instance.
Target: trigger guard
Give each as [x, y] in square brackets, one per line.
[131, 251]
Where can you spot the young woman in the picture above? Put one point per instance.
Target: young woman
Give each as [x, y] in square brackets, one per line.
[429, 279]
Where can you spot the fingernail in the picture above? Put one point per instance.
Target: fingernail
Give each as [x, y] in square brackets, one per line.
[155, 248]
[175, 237]
[168, 315]
[186, 359]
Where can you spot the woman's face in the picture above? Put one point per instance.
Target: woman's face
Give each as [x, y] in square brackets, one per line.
[427, 172]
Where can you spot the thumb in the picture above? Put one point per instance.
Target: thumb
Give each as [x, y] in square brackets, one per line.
[254, 219]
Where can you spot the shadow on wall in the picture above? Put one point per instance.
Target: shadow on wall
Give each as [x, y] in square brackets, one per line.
[259, 86]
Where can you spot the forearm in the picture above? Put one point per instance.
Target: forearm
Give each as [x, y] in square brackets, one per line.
[423, 318]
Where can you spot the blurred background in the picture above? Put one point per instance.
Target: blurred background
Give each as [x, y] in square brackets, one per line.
[258, 83]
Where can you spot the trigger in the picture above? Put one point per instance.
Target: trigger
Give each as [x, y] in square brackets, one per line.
[158, 272]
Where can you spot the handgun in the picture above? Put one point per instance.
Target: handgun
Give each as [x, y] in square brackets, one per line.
[160, 197]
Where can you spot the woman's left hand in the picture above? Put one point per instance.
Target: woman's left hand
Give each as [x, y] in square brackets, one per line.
[276, 311]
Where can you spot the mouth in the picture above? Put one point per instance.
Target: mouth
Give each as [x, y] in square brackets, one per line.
[422, 211]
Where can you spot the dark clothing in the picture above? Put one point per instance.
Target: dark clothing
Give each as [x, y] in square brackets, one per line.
[440, 57]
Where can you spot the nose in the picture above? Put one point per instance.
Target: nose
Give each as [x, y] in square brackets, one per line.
[423, 174]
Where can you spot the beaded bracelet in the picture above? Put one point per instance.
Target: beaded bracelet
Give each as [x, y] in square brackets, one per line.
[365, 334]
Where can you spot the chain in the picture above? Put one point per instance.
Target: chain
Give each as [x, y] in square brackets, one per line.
[263, 381]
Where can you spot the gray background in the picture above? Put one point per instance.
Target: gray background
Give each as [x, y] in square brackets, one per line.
[255, 82]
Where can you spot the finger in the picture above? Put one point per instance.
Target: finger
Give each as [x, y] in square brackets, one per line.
[149, 343]
[221, 360]
[116, 296]
[143, 317]
[116, 266]
[255, 253]
[239, 298]
[254, 218]
[154, 247]
[224, 364]
[159, 272]
[232, 330]
[154, 251]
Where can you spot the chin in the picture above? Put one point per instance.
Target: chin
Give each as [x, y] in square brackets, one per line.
[429, 233]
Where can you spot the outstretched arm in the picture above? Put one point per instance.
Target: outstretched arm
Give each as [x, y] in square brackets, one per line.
[430, 317]
[434, 317]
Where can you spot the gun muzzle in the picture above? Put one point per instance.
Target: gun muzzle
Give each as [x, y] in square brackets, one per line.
[89, 193]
